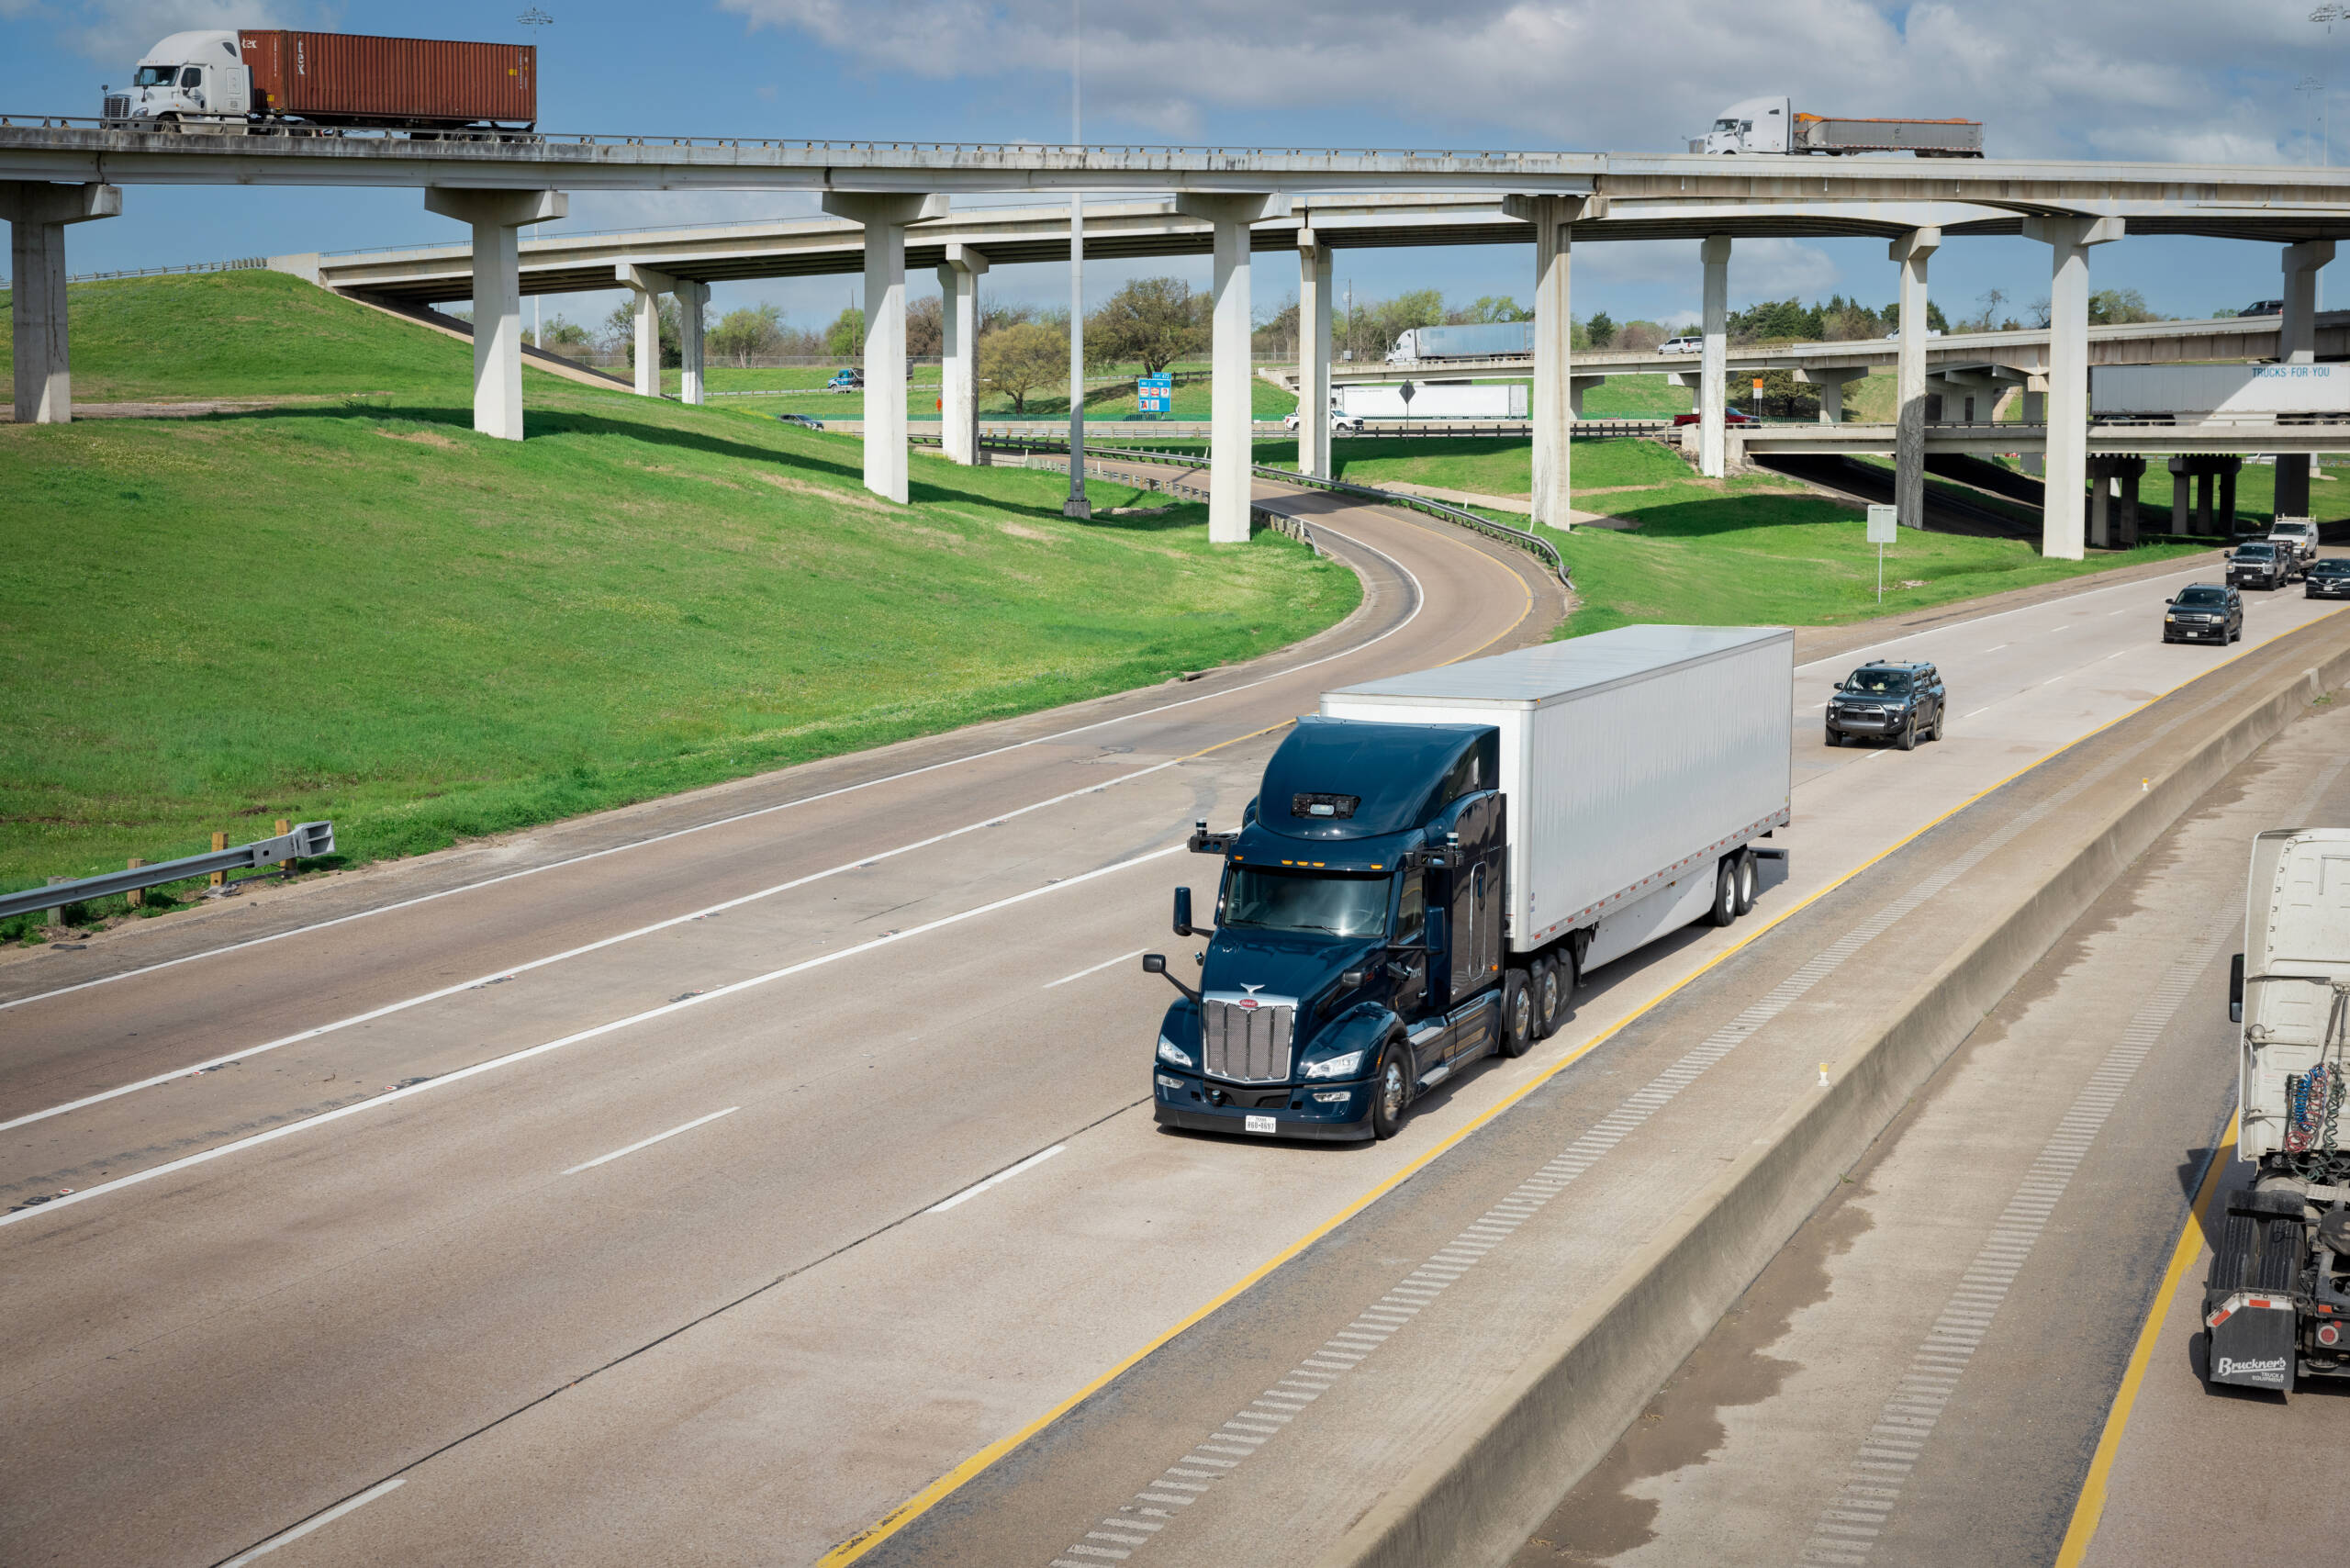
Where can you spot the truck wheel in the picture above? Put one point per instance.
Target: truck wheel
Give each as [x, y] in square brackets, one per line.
[1390, 1091]
[1835, 737]
[1750, 877]
[1725, 907]
[1549, 997]
[1517, 1014]
[1909, 741]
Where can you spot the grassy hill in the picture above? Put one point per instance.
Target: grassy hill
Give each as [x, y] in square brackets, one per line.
[359, 609]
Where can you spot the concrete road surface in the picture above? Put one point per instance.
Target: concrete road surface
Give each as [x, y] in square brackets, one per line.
[1922, 1377]
[703, 1182]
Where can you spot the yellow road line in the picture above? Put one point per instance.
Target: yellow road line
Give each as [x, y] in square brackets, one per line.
[914, 1507]
[2091, 1507]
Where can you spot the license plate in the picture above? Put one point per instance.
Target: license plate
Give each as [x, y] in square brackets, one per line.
[1259, 1124]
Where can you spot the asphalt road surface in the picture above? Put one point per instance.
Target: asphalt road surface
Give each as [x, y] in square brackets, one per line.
[700, 1182]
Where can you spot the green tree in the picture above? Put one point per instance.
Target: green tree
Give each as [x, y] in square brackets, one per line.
[1154, 321]
[752, 329]
[619, 331]
[1602, 328]
[1492, 308]
[1018, 360]
[845, 339]
[1389, 320]
[2115, 306]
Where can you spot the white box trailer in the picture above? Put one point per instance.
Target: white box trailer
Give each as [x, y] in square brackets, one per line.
[1631, 762]
[2249, 392]
[1434, 400]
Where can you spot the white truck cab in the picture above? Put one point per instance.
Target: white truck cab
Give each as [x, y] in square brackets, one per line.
[192, 75]
[2299, 534]
[1755, 125]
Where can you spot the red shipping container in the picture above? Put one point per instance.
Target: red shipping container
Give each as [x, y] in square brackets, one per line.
[352, 79]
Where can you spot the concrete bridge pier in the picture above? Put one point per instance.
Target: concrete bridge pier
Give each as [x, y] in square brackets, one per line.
[647, 284]
[1576, 386]
[2062, 535]
[1912, 251]
[885, 215]
[693, 298]
[1553, 404]
[1313, 269]
[38, 213]
[958, 399]
[2113, 500]
[2297, 345]
[2035, 411]
[1831, 380]
[1714, 363]
[1231, 443]
[2200, 472]
[497, 217]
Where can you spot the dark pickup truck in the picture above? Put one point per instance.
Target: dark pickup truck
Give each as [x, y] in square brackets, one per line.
[2261, 563]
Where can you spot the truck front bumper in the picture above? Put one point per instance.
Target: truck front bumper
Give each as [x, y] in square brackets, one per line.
[1333, 1113]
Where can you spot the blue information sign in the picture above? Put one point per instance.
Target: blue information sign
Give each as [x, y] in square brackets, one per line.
[1155, 394]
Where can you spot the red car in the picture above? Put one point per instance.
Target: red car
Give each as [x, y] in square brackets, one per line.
[1729, 417]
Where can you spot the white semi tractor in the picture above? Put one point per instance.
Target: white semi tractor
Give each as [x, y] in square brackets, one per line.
[2278, 1301]
[1772, 125]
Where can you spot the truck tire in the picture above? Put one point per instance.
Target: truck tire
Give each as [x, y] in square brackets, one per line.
[1835, 737]
[1725, 907]
[1750, 877]
[1519, 1028]
[1909, 741]
[1391, 1091]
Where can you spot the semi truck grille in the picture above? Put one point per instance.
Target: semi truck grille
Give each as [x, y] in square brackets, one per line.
[117, 105]
[1245, 1041]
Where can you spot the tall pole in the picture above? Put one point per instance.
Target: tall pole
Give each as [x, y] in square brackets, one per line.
[1076, 505]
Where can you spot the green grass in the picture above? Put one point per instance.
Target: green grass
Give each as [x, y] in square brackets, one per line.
[800, 389]
[363, 611]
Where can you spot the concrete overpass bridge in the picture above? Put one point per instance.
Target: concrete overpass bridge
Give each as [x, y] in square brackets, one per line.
[54, 172]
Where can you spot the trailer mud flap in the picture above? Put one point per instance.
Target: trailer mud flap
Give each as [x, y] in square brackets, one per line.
[2253, 1343]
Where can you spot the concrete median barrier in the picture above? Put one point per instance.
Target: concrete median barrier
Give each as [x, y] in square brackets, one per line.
[1474, 1497]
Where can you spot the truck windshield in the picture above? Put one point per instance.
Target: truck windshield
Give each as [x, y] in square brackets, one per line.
[156, 75]
[1342, 904]
[1879, 682]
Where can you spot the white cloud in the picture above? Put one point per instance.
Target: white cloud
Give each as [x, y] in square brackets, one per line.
[116, 32]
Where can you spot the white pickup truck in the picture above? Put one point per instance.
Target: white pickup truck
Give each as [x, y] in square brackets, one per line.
[2300, 534]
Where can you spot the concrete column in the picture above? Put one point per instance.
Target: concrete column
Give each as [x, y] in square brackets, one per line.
[647, 284]
[693, 298]
[2129, 474]
[497, 217]
[1831, 381]
[2035, 412]
[38, 213]
[1715, 254]
[885, 216]
[2228, 494]
[1231, 446]
[2297, 345]
[1912, 250]
[1314, 261]
[2068, 239]
[1552, 218]
[959, 412]
[2100, 502]
[1576, 386]
[2179, 485]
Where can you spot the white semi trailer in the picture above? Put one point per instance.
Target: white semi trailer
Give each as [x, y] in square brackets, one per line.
[2278, 1301]
[1433, 401]
[2253, 392]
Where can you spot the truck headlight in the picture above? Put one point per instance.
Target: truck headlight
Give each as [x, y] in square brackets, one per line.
[1173, 1054]
[1345, 1066]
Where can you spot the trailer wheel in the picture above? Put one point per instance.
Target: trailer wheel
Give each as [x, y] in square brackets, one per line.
[1725, 907]
[1749, 879]
[1550, 1001]
[1518, 1033]
[1390, 1091]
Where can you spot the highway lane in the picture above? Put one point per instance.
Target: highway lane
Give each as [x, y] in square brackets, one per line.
[460, 1281]
[1922, 1375]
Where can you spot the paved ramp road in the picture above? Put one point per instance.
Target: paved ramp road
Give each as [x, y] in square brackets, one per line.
[820, 1165]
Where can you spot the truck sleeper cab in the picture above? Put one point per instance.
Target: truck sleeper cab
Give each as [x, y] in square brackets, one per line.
[1412, 890]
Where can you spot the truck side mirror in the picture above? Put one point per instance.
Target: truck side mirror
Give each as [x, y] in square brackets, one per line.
[1182, 914]
[1156, 964]
[1440, 930]
[2235, 988]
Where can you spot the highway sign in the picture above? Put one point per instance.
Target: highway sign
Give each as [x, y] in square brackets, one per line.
[1882, 525]
[1155, 394]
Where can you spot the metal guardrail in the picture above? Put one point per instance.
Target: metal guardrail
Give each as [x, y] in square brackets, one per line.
[1533, 544]
[306, 841]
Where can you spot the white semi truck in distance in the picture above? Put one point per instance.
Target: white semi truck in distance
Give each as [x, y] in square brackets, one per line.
[1772, 125]
[2278, 1301]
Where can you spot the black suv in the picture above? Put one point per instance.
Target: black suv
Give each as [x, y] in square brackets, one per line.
[2203, 612]
[1904, 703]
[2258, 563]
[2328, 577]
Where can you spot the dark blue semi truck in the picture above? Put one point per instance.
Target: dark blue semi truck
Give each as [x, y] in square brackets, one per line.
[1432, 861]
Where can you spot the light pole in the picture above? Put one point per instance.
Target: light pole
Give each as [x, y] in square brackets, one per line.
[1076, 505]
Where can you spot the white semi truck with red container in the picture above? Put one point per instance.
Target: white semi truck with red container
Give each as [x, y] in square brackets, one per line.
[1772, 125]
[281, 81]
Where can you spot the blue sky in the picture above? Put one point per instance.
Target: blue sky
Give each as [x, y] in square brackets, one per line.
[2160, 79]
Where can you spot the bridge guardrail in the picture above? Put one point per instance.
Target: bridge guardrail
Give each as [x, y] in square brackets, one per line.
[1533, 544]
[306, 841]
